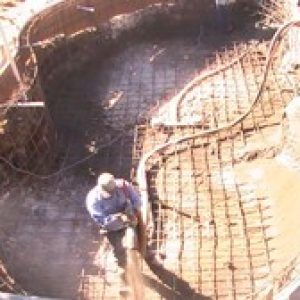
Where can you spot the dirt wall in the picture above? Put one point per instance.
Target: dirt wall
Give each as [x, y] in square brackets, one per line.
[73, 17]
[72, 46]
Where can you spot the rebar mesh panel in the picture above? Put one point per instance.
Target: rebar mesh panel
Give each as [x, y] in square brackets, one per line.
[209, 216]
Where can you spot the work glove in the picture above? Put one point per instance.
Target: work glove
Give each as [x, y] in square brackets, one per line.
[131, 220]
[123, 217]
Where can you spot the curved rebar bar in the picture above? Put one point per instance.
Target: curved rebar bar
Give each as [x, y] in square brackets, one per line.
[175, 116]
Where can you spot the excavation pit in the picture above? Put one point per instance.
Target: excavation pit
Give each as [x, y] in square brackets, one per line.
[109, 86]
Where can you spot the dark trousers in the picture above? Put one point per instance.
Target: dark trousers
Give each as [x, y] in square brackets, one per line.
[121, 240]
[116, 240]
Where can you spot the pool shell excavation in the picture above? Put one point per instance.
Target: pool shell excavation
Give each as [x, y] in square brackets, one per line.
[138, 88]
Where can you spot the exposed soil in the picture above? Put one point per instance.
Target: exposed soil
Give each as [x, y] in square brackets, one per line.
[6, 4]
[281, 185]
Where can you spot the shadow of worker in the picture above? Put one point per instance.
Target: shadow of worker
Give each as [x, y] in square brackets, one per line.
[173, 287]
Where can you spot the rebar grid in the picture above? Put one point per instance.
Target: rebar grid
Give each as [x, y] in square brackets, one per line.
[194, 188]
[275, 12]
[183, 224]
[223, 94]
[7, 283]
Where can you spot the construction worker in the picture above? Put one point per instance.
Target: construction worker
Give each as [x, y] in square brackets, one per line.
[224, 15]
[115, 206]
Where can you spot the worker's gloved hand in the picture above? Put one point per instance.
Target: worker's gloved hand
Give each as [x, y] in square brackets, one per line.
[127, 219]
[122, 217]
[133, 221]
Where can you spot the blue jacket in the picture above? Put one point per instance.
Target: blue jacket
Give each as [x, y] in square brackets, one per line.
[102, 209]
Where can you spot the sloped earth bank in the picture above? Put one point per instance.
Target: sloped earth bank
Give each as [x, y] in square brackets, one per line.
[281, 184]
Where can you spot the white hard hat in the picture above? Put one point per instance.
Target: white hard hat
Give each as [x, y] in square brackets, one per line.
[106, 184]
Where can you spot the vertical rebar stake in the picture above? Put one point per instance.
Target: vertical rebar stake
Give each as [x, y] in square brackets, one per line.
[12, 62]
